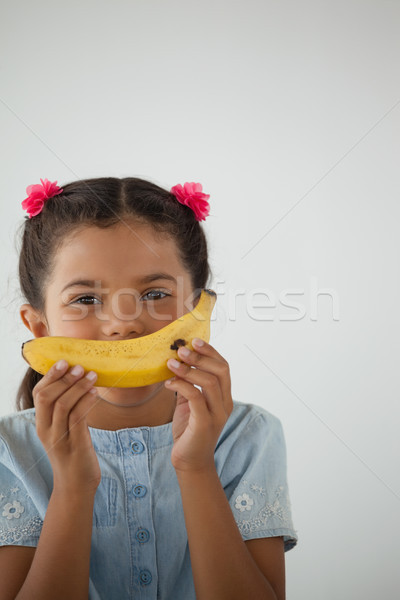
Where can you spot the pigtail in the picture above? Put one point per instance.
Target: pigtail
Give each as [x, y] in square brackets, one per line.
[24, 398]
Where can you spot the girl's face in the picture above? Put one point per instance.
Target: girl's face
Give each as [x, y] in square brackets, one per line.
[110, 284]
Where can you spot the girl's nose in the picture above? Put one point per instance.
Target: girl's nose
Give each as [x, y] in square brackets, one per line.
[124, 317]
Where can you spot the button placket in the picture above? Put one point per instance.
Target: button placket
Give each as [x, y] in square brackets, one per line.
[139, 508]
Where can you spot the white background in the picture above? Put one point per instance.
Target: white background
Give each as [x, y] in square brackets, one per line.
[288, 113]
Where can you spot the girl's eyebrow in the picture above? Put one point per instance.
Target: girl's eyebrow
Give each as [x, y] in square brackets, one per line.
[94, 283]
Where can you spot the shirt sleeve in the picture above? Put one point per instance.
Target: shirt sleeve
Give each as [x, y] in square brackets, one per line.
[20, 523]
[255, 473]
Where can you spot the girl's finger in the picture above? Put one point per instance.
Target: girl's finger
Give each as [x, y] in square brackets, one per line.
[206, 358]
[48, 389]
[55, 373]
[211, 397]
[210, 383]
[197, 402]
[78, 429]
[66, 402]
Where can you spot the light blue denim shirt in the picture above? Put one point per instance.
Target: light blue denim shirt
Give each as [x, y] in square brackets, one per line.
[139, 541]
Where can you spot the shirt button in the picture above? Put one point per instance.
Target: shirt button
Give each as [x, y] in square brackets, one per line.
[145, 577]
[139, 491]
[137, 447]
[142, 535]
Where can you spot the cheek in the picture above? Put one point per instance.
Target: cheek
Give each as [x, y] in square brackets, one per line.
[158, 315]
[157, 325]
[74, 322]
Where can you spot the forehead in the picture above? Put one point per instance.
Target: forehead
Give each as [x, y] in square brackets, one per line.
[124, 248]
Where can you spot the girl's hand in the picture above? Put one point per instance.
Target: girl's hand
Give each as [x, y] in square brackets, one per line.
[62, 399]
[199, 415]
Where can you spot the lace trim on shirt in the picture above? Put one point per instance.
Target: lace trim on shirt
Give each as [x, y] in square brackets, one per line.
[13, 502]
[245, 504]
[15, 507]
[12, 535]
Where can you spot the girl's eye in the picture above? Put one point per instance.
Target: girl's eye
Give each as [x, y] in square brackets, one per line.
[158, 292]
[152, 293]
[84, 298]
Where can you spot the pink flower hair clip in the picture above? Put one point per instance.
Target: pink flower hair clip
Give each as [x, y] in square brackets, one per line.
[191, 195]
[38, 194]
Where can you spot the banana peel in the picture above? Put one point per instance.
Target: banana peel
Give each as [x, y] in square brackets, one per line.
[125, 363]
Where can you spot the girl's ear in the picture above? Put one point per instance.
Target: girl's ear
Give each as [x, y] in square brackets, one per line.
[33, 320]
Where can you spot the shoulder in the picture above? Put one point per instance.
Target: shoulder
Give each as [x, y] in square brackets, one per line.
[17, 421]
[252, 436]
[249, 419]
[16, 431]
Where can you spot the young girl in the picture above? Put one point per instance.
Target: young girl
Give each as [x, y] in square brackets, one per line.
[171, 491]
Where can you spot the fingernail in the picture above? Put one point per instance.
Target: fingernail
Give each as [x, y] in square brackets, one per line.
[183, 351]
[173, 363]
[197, 342]
[91, 376]
[77, 370]
[61, 364]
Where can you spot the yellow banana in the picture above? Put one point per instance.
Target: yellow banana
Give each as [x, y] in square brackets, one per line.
[125, 363]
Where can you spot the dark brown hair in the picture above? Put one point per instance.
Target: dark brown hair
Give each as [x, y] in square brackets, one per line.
[102, 202]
